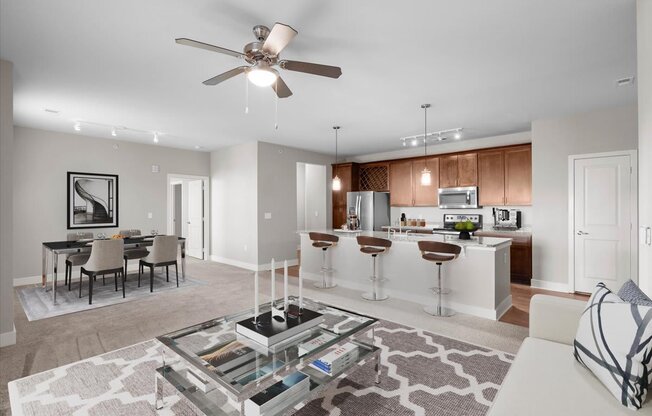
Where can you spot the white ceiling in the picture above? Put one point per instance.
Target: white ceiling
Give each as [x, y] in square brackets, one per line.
[488, 66]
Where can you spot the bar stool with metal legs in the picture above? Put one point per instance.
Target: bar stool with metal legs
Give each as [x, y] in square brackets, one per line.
[324, 242]
[374, 246]
[439, 253]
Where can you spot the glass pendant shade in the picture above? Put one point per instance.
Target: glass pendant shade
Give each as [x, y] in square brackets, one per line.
[262, 75]
[426, 178]
[337, 183]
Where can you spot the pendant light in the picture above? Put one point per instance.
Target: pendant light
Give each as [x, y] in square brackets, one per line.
[337, 183]
[426, 178]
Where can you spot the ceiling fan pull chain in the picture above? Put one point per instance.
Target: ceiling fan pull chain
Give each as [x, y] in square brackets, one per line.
[246, 95]
[276, 104]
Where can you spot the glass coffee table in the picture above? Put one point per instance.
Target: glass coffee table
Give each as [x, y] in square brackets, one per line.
[217, 370]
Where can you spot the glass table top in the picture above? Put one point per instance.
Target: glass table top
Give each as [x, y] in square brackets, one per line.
[241, 365]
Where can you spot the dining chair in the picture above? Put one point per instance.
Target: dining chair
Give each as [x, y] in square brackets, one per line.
[106, 257]
[164, 253]
[76, 259]
[134, 252]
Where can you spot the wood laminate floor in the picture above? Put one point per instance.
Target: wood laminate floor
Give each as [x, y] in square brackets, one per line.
[519, 314]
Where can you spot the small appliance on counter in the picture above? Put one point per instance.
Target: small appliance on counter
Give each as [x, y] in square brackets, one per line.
[451, 219]
[462, 197]
[507, 219]
[367, 211]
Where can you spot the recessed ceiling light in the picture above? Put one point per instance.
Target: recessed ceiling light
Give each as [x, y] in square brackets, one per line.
[457, 135]
[197, 147]
[51, 111]
[415, 142]
[77, 126]
[625, 81]
[155, 137]
[113, 132]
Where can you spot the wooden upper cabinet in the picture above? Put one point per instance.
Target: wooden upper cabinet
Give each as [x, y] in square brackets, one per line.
[518, 175]
[467, 169]
[400, 184]
[426, 196]
[448, 171]
[491, 177]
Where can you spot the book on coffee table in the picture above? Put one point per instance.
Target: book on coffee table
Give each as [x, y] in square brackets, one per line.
[270, 331]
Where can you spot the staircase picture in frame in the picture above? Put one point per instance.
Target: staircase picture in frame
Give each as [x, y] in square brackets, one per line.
[92, 200]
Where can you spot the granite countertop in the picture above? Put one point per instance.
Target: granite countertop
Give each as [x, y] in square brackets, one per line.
[487, 242]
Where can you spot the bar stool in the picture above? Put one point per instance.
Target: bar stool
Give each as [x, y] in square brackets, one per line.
[374, 246]
[439, 253]
[324, 242]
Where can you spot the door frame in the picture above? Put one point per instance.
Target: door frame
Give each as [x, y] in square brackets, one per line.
[633, 230]
[207, 198]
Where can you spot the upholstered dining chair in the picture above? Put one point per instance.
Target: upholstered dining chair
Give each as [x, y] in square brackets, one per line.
[164, 253]
[106, 257]
[134, 252]
[75, 259]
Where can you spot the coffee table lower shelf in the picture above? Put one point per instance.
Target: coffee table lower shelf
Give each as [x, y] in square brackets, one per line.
[217, 403]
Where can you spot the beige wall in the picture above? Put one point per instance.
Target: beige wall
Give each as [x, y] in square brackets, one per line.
[553, 140]
[234, 181]
[277, 194]
[644, 39]
[7, 334]
[41, 161]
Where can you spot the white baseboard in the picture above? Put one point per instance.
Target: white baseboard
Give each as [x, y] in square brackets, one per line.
[252, 266]
[554, 286]
[29, 280]
[503, 307]
[8, 338]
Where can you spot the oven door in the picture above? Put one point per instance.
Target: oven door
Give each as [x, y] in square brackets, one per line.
[463, 197]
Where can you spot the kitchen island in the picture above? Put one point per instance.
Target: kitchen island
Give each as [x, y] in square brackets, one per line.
[479, 279]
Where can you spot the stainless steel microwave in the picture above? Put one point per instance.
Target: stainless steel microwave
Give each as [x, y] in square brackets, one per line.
[462, 197]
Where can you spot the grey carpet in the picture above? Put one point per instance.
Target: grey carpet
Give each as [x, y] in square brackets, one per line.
[37, 303]
[48, 343]
[421, 374]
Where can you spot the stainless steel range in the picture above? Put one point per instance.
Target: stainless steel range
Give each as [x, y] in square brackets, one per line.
[451, 219]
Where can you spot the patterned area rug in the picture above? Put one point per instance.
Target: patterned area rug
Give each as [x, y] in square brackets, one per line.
[37, 303]
[422, 374]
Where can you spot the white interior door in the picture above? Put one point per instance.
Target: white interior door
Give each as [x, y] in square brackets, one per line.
[602, 219]
[195, 239]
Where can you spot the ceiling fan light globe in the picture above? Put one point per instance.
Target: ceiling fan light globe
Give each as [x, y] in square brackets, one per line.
[262, 77]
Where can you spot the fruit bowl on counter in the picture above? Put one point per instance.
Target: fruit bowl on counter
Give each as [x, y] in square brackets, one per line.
[465, 228]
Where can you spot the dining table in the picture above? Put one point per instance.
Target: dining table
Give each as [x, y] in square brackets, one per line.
[53, 249]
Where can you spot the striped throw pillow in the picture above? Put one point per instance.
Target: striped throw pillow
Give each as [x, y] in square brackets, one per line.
[614, 341]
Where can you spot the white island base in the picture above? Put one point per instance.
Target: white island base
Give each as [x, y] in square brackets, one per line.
[479, 279]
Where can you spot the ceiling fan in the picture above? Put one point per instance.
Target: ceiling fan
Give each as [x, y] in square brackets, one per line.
[262, 56]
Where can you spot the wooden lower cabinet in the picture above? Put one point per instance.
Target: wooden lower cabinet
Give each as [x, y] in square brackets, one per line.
[520, 254]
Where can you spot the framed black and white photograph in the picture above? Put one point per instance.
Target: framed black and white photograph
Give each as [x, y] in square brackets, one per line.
[92, 200]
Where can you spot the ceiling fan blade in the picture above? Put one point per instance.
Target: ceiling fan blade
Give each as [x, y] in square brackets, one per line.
[281, 88]
[310, 68]
[208, 47]
[278, 38]
[226, 75]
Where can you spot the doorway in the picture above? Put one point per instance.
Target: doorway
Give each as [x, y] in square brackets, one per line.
[602, 220]
[311, 197]
[188, 212]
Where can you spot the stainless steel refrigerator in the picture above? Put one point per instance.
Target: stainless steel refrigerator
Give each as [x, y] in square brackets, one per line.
[371, 208]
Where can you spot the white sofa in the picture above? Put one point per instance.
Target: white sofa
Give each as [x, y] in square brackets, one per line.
[545, 378]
